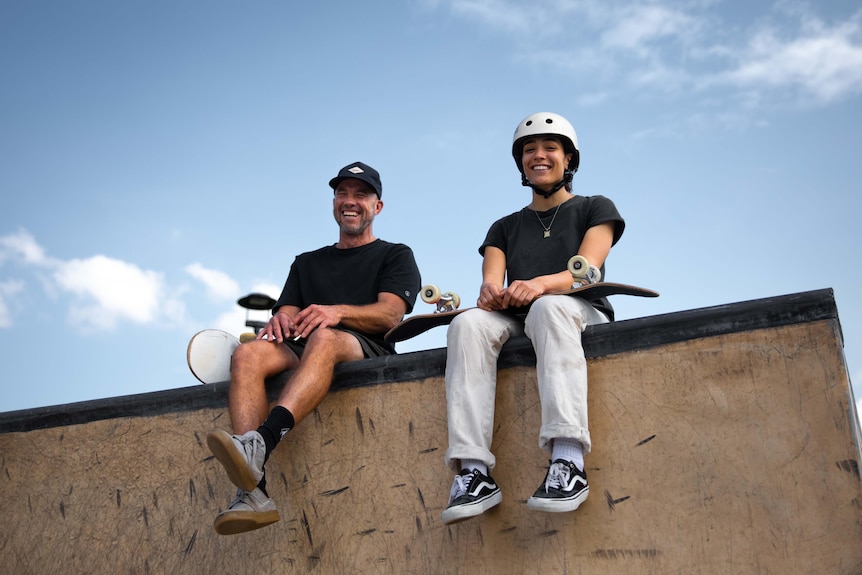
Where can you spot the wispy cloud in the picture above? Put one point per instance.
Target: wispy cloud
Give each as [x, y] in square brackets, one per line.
[21, 245]
[8, 288]
[638, 28]
[666, 47]
[103, 291]
[500, 14]
[822, 62]
[110, 290]
[219, 285]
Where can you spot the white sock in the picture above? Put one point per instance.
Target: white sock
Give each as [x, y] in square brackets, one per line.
[471, 464]
[568, 449]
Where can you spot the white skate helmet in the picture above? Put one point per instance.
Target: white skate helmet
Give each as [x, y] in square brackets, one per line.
[546, 124]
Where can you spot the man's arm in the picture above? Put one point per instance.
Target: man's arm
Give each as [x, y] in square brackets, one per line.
[378, 317]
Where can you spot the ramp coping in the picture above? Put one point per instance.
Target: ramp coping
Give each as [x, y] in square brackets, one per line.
[600, 340]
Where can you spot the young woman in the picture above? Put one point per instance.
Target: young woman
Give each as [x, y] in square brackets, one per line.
[525, 255]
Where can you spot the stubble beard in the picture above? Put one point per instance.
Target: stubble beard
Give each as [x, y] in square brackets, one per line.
[355, 230]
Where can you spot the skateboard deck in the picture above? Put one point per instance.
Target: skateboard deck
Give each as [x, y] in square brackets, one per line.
[209, 354]
[417, 324]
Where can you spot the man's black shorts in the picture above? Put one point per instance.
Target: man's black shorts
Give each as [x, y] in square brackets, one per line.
[369, 347]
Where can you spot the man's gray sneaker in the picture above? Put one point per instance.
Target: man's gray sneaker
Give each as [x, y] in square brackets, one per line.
[564, 489]
[248, 511]
[241, 455]
[472, 493]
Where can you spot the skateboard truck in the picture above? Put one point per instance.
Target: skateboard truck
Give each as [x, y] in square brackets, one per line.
[449, 301]
[582, 272]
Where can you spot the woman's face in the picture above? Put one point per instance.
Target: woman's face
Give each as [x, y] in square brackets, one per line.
[544, 160]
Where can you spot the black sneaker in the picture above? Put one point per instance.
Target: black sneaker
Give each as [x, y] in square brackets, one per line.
[472, 494]
[564, 489]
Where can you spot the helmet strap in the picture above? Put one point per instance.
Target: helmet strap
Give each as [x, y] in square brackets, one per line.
[567, 177]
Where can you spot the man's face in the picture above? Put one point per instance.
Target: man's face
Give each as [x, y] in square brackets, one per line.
[355, 205]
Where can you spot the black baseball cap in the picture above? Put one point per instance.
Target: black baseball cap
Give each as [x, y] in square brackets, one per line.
[359, 171]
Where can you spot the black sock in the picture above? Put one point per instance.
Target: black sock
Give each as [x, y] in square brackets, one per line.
[279, 422]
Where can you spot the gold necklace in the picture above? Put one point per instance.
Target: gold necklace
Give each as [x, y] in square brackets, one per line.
[547, 232]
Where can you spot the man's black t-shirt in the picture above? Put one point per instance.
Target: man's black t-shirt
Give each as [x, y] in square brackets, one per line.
[352, 276]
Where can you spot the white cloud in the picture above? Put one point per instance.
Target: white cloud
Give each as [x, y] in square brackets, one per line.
[498, 14]
[635, 27]
[232, 321]
[671, 47]
[593, 99]
[627, 26]
[22, 246]
[8, 288]
[105, 290]
[825, 63]
[219, 285]
[111, 290]
[271, 290]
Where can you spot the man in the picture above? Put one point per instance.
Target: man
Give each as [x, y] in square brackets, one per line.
[336, 305]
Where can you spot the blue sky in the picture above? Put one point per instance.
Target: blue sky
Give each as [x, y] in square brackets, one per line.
[158, 160]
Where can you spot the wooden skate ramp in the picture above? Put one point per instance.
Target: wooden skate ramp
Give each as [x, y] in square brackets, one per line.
[725, 441]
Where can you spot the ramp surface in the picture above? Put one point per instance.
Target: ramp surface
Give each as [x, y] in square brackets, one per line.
[730, 453]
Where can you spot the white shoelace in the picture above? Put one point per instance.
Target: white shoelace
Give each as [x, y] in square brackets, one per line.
[558, 477]
[459, 486]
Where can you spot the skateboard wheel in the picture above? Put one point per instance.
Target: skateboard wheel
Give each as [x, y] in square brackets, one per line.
[430, 293]
[456, 299]
[578, 266]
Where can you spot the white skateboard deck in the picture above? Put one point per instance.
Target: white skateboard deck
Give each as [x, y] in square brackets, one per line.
[209, 354]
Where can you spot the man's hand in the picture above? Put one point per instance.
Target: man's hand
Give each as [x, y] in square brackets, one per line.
[313, 317]
[279, 327]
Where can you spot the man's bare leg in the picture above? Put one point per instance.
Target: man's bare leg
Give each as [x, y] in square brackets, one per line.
[251, 364]
[257, 428]
[244, 457]
[310, 382]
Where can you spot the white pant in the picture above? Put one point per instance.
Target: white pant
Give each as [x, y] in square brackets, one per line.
[554, 325]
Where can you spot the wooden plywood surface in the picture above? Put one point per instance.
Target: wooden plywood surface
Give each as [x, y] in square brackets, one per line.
[729, 454]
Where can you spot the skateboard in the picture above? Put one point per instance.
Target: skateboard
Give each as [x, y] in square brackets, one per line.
[209, 354]
[417, 324]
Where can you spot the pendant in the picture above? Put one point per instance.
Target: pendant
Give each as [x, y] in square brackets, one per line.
[547, 233]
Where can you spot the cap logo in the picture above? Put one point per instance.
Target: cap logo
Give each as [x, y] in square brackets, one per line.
[356, 170]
